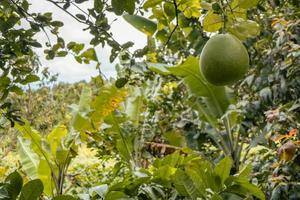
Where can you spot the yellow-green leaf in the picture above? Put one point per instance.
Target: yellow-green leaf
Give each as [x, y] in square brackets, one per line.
[55, 138]
[244, 29]
[212, 22]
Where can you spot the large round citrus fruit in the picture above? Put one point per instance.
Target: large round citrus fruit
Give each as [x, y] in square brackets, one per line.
[224, 60]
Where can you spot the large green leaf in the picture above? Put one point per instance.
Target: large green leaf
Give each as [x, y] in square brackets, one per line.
[134, 105]
[222, 169]
[185, 186]
[45, 175]
[216, 98]
[35, 139]
[3, 192]
[201, 173]
[129, 6]
[212, 22]
[107, 101]
[243, 29]
[159, 68]
[118, 6]
[80, 121]
[244, 187]
[29, 160]
[55, 138]
[142, 24]
[90, 54]
[14, 183]
[32, 190]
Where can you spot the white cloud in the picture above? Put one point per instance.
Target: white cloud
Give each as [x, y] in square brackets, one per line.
[69, 70]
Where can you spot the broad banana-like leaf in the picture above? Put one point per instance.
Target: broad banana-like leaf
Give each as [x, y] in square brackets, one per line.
[28, 158]
[134, 105]
[80, 120]
[106, 102]
[55, 138]
[37, 144]
[45, 175]
[214, 99]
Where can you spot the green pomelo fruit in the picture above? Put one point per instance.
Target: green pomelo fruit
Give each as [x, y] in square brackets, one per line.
[224, 60]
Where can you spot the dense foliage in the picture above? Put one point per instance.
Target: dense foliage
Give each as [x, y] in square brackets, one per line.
[159, 130]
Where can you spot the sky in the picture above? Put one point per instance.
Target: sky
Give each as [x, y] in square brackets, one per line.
[67, 68]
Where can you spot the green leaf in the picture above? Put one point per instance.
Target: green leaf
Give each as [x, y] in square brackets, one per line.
[98, 5]
[246, 4]
[142, 24]
[175, 138]
[62, 156]
[185, 186]
[55, 138]
[118, 6]
[79, 120]
[159, 68]
[16, 90]
[243, 29]
[32, 190]
[151, 3]
[121, 82]
[45, 175]
[3, 192]
[57, 23]
[34, 137]
[80, 1]
[134, 106]
[14, 185]
[216, 98]
[64, 197]
[115, 195]
[35, 44]
[75, 47]
[212, 22]
[243, 187]
[129, 6]
[81, 17]
[29, 160]
[62, 53]
[245, 172]
[90, 54]
[190, 8]
[223, 168]
[106, 102]
[30, 78]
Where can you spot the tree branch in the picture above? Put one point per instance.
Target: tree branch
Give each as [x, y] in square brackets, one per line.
[176, 26]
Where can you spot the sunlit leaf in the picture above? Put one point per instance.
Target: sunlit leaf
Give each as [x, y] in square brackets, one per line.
[223, 168]
[29, 159]
[151, 3]
[212, 22]
[142, 24]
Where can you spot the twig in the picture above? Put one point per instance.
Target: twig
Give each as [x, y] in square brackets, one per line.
[25, 14]
[70, 14]
[176, 26]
